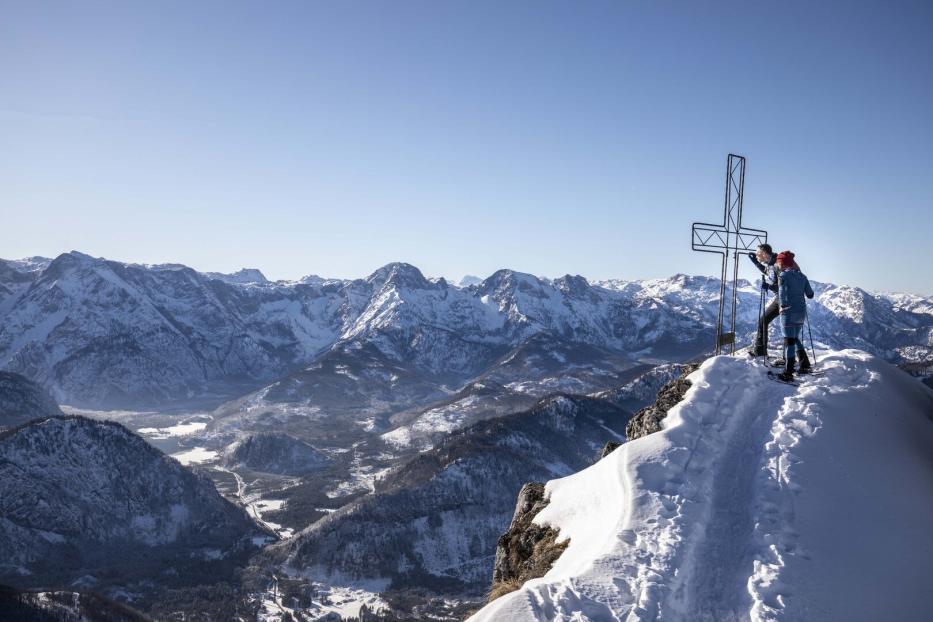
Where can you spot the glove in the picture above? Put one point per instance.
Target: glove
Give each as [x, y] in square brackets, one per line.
[753, 257]
[764, 285]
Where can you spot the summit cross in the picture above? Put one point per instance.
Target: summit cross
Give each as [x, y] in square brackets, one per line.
[728, 239]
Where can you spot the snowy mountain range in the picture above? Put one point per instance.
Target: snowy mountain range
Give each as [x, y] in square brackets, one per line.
[101, 333]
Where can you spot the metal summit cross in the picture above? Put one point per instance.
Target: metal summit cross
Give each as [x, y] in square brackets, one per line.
[728, 239]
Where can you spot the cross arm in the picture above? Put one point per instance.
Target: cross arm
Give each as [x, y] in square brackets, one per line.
[714, 238]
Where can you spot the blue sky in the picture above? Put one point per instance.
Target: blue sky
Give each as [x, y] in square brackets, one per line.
[548, 137]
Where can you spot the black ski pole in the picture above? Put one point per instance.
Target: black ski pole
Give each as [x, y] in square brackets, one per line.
[758, 333]
[765, 329]
[812, 349]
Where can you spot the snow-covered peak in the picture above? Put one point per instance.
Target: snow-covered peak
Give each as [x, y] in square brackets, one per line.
[505, 282]
[756, 501]
[468, 281]
[67, 261]
[575, 286]
[398, 274]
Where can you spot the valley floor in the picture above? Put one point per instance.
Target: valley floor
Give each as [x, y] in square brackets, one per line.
[757, 501]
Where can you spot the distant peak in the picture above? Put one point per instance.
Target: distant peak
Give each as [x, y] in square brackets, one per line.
[311, 279]
[25, 268]
[244, 276]
[400, 274]
[575, 284]
[67, 261]
[509, 279]
[469, 280]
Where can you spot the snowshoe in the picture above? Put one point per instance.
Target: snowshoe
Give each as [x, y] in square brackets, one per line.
[809, 371]
[783, 379]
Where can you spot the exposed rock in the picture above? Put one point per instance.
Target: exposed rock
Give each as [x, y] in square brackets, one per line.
[643, 390]
[648, 420]
[922, 370]
[526, 551]
[608, 448]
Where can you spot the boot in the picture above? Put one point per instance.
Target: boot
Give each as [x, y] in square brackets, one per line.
[788, 374]
[805, 367]
[759, 348]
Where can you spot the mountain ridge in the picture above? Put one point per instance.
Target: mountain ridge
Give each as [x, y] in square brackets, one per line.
[69, 323]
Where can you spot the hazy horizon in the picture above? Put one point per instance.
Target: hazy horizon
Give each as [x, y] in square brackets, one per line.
[455, 279]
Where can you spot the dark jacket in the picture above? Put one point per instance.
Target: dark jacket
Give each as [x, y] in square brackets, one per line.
[769, 270]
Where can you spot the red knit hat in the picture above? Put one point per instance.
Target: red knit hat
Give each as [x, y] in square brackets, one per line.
[786, 258]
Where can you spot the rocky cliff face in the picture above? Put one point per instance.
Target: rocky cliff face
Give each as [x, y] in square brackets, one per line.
[648, 419]
[526, 550]
[89, 501]
[22, 399]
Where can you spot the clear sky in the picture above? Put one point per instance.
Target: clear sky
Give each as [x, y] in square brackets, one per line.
[548, 137]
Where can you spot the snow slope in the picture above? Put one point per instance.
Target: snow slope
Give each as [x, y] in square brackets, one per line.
[757, 501]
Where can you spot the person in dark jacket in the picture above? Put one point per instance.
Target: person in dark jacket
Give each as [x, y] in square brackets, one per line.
[793, 286]
[764, 259]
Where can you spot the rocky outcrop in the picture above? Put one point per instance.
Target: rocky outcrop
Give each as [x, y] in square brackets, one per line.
[648, 420]
[922, 370]
[526, 550]
[608, 448]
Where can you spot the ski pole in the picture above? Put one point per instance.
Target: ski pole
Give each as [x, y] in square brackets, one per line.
[761, 305]
[812, 349]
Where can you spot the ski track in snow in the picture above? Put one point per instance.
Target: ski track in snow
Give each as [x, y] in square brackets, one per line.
[698, 521]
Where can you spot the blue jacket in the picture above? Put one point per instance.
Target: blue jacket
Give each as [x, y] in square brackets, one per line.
[793, 285]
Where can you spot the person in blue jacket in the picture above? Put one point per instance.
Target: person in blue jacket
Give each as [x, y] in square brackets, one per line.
[793, 286]
[764, 259]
